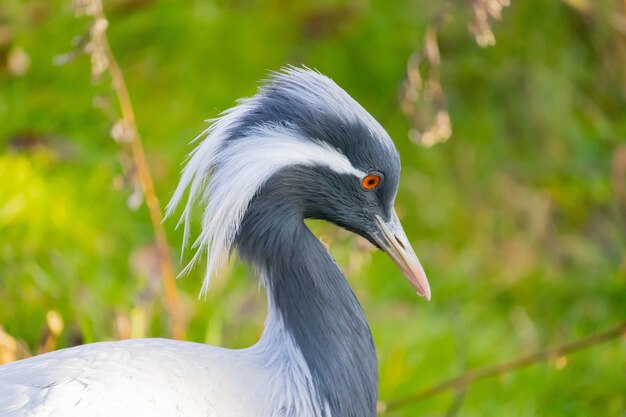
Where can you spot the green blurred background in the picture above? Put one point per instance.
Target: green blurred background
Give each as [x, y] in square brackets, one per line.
[519, 218]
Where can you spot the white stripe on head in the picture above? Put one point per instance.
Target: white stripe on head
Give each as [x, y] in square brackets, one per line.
[226, 176]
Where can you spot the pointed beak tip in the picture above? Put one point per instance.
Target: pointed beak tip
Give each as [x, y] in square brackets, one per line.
[424, 293]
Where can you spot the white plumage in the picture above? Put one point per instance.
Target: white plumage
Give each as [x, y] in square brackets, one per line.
[162, 378]
[244, 167]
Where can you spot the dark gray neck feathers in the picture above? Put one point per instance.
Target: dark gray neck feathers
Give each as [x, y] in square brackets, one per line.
[319, 309]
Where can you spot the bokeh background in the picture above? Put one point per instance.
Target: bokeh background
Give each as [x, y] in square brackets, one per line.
[518, 212]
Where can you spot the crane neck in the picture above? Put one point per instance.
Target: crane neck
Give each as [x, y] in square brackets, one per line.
[316, 310]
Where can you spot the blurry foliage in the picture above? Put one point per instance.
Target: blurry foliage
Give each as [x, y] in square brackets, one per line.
[519, 218]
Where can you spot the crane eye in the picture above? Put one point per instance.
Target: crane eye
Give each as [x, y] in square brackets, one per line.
[371, 181]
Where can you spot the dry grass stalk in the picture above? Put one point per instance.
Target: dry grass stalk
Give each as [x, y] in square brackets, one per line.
[486, 11]
[558, 354]
[125, 131]
[422, 99]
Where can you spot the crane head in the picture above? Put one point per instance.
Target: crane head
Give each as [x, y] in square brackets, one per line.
[310, 147]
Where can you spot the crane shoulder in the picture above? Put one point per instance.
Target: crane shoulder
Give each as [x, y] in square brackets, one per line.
[147, 377]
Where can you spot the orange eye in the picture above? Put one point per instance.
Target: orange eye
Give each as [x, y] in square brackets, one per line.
[370, 181]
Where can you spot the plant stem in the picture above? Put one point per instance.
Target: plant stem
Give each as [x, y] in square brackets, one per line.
[469, 377]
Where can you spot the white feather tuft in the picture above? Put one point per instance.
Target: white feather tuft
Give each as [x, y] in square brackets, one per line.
[225, 176]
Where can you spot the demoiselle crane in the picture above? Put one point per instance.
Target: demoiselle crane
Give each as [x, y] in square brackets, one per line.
[301, 148]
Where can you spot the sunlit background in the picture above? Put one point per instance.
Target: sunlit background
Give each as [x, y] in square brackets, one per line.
[511, 125]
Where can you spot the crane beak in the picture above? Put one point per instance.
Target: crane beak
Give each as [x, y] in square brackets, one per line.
[393, 241]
